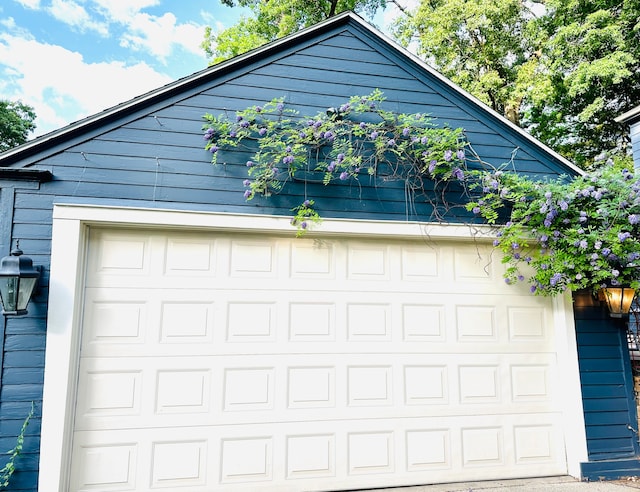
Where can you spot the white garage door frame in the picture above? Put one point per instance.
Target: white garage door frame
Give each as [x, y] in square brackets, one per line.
[68, 256]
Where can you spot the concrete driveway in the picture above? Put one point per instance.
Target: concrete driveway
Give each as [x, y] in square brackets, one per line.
[549, 484]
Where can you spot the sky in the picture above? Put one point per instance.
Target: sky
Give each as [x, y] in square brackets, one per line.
[69, 59]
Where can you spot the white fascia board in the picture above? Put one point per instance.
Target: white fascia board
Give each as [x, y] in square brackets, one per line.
[281, 225]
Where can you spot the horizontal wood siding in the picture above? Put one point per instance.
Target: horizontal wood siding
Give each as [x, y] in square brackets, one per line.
[153, 156]
[635, 144]
[607, 383]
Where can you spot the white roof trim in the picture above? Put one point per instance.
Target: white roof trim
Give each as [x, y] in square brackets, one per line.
[629, 115]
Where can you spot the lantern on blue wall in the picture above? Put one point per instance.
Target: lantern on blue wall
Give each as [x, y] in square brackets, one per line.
[619, 299]
[18, 280]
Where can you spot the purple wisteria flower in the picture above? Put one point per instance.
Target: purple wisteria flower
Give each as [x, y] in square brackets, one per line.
[424, 140]
[432, 166]
[340, 157]
[555, 278]
[244, 124]
[208, 135]
[374, 135]
[214, 148]
[623, 236]
[246, 182]
[306, 203]
[458, 174]
[460, 154]
[331, 167]
[391, 142]
[288, 159]
[280, 106]
[634, 219]
[250, 164]
[258, 109]
[262, 132]
[344, 175]
[476, 210]
[247, 193]
[448, 155]
[406, 131]
[583, 244]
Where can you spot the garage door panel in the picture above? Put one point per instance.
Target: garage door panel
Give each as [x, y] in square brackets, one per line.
[238, 362]
[224, 390]
[360, 453]
[162, 319]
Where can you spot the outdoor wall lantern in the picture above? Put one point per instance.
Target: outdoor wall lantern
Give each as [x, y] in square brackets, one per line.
[18, 281]
[619, 300]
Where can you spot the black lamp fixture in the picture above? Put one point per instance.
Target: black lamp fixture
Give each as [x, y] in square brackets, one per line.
[619, 299]
[18, 280]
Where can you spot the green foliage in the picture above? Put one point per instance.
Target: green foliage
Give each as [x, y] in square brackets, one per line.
[482, 45]
[566, 234]
[305, 215]
[16, 122]
[590, 74]
[9, 469]
[358, 138]
[270, 20]
[563, 74]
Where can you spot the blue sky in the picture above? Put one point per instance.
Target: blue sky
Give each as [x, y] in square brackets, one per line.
[73, 58]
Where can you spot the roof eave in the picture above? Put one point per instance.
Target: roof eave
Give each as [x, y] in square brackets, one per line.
[629, 117]
[23, 174]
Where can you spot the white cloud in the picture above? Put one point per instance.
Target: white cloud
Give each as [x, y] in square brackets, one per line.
[76, 16]
[62, 87]
[29, 4]
[159, 35]
[122, 11]
[156, 35]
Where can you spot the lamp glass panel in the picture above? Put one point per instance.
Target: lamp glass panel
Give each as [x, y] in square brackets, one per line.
[26, 289]
[9, 292]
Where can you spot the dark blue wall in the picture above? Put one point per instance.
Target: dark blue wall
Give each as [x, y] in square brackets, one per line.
[149, 153]
[607, 391]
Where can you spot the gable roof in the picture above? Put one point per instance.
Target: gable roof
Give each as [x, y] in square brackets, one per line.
[58, 140]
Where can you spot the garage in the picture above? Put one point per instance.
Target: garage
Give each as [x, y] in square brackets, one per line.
[232, 359]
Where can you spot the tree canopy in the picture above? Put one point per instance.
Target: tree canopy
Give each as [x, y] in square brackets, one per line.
[270, 20]
[564, 73]
[16, 122]
[561, 69]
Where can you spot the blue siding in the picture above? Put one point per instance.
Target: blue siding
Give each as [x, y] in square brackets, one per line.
[607, 392]
[152, 155]
[635, 143]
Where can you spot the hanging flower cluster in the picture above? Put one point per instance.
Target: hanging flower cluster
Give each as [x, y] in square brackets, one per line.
[566, 234]
[558, 235]
[346, 142]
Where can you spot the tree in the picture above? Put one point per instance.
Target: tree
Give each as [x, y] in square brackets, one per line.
[591, 56]
[563, 74]
[481, 45]
[273, 19]
[16, 122]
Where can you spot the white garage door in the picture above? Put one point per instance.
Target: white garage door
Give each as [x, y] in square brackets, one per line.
[244, 362]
